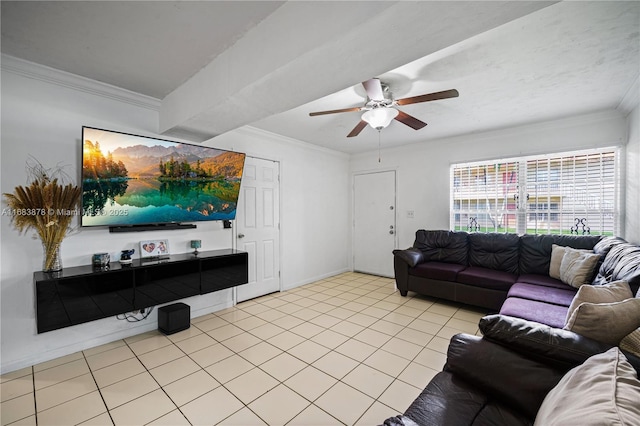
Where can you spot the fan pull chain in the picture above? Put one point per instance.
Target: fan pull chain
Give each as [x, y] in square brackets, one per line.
[378, 146]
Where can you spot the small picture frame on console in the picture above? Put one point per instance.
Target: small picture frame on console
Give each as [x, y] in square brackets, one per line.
[154, 248]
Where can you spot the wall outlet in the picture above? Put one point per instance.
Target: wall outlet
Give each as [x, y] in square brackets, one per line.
[410, 214]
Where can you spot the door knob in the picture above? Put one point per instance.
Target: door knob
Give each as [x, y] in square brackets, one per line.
[240, 235]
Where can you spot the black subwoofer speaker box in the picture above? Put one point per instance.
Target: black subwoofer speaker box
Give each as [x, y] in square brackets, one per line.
[173, 318]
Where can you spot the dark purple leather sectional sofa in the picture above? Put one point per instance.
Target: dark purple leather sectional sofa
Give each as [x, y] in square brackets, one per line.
[503, 377]
[506, 272]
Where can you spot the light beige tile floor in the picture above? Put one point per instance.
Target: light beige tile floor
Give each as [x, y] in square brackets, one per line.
[345, 350]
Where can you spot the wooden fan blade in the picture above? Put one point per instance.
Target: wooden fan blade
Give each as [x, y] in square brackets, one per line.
[410, 121]
[356, 130]
[335, 111]
[453, 93]
[374, 89]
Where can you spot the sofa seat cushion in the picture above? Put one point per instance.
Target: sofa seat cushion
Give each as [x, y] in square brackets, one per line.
[494, 410]
[556, 296]
[487, 278]
[533, 310]
[437, 270]
[543, 280]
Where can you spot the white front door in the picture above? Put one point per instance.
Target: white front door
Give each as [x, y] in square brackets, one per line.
[258, 223]
[374, 222]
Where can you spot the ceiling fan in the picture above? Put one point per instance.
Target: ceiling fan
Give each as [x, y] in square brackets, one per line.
[380, 107]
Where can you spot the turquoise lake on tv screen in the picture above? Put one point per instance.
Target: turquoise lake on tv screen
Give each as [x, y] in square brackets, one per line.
[143, 201]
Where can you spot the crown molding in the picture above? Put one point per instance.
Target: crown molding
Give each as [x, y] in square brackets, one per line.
[631, 98]
[50, 75]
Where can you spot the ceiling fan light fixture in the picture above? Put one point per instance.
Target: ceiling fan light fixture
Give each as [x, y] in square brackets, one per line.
[379, 118]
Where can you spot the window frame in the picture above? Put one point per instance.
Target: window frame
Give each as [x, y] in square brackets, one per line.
[485, 196]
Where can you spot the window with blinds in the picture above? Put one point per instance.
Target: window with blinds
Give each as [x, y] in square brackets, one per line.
[569, 193]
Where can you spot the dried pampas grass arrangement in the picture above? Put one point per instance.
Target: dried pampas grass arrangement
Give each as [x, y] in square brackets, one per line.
[47, 205]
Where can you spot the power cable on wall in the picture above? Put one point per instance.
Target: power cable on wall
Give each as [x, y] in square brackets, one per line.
[133, 317]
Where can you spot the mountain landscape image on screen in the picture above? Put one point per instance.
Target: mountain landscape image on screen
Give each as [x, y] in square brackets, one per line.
[130, 180]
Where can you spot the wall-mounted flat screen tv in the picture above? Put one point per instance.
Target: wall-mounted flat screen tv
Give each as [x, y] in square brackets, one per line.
[137, 180]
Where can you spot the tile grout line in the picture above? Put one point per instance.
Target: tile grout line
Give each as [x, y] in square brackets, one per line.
[35, 401]
[99, 390]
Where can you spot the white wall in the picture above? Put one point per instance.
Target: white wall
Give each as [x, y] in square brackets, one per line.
[632, 182]
[42, 114]
[423, 168]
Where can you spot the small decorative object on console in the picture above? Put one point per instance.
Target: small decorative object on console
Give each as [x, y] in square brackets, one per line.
[154, 248]
[101, 260]
[125, 256]
[196, 244]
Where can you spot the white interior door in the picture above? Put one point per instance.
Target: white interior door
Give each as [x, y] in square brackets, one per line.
[257, 227]
[374, 222]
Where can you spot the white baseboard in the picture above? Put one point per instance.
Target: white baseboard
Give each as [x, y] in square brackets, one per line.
[149, 324]
[316, 278]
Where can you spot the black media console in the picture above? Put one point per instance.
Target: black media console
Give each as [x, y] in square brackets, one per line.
[85, 293]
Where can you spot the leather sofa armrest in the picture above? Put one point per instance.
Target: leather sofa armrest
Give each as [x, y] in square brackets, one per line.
[503, 374]
[412, 256]
[559, 348]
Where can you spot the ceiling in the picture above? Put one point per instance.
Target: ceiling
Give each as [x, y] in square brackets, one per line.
[216, 66]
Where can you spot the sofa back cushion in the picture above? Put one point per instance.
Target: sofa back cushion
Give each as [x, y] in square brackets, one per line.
[495, 251]
[603, 246]
[535, 250]
[622, 262]
[443, 246]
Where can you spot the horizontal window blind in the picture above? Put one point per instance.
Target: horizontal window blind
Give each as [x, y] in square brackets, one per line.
[566, 193]
[483, 196]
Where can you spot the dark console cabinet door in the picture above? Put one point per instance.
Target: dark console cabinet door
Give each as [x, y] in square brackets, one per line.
[166, 282]
[224, 272]
[66, 301]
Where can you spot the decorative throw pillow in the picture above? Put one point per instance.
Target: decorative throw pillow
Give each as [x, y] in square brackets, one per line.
[631, 342]
[605, 322]
[604, 390]
[557, 253]
[577, 267]
[617, 291]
